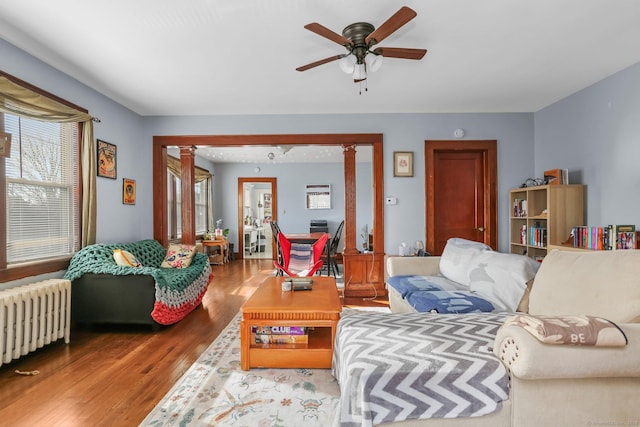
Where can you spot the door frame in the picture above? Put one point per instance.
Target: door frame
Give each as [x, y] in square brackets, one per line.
[274, 206]
[489, 150]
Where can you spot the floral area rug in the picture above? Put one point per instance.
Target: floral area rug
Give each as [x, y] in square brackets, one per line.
[215, 391]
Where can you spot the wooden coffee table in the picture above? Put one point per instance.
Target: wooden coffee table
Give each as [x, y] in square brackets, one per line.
[270, 306]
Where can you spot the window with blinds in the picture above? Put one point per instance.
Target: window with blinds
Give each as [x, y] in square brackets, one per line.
[41, 198]
[174, 201]
[201, 190]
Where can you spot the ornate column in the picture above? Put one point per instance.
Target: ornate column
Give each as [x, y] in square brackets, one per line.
[363, 272]
[350, 233]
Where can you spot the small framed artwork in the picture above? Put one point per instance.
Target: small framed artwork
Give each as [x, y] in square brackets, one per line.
[403, 163]
[5, 144]
[107, 157]
[128, 191]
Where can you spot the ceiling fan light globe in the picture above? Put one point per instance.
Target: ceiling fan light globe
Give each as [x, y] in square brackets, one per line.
[360, 72]
[374, 62]
[347, 64]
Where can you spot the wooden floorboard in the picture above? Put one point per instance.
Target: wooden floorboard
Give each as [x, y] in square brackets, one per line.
[116, 375]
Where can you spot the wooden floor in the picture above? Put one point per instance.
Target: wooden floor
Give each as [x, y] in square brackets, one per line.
[115, 376]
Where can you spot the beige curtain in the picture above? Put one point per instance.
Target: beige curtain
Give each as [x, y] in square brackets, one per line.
[89, 190]
[173, 165]
[19, 100]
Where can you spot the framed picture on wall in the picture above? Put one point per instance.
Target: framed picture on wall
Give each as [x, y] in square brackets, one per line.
[107, 157]
[318, 196]
[403, 163]
[128, 191]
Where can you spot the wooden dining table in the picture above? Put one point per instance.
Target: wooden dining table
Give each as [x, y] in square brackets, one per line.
[305, 237]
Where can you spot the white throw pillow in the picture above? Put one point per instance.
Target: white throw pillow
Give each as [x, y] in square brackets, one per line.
[126, 259]
[501, 278]
[456, 260]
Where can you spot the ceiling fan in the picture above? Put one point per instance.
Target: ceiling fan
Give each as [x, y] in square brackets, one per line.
[359, 38]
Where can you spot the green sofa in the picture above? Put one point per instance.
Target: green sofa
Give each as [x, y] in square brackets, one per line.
[105, 292]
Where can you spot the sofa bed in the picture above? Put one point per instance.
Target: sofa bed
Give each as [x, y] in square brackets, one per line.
[487, 369]
[136, 283]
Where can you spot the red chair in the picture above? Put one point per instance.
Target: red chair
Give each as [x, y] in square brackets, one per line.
[300, 259]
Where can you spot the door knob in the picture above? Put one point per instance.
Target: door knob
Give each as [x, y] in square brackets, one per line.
[480, 229]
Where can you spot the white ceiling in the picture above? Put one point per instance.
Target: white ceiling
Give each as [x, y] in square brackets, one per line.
[201, 57]
[282, 154]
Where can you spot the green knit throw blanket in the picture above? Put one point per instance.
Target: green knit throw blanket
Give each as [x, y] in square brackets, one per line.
[98, 259]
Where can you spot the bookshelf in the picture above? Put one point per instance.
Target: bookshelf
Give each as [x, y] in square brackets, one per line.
[543, 216]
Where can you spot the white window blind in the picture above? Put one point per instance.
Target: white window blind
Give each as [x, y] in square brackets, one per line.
[202, 203]
[174, 206]
[42, 202]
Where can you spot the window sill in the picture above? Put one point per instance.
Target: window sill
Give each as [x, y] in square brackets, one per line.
[20, 271]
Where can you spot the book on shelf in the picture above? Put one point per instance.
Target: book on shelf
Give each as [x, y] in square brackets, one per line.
[611, 237]
[621, 236]
[519, 208]
[281, 339]
[538, 236]
[552, 176]
[556, 176]
[625, 236]
[279, 330]
[587, 237]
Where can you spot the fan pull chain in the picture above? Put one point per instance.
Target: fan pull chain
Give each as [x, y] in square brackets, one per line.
[366, 87]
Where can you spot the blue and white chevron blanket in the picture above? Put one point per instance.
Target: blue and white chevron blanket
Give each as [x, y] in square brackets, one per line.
[395, 367]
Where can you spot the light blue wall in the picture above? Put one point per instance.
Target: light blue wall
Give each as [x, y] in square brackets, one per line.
[404, 222]
[595, 133]
[292, 216]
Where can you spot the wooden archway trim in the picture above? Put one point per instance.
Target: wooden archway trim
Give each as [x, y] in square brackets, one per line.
[160, 144]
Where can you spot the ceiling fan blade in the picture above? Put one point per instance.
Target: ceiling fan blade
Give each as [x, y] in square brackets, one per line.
[400, 52]
[400, 18]
[327, 33]
[320, 62]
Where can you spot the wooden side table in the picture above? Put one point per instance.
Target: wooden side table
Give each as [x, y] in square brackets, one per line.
[223, 244]
[318, 308]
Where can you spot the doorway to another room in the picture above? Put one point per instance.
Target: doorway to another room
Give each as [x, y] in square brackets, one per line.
[256, 209]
